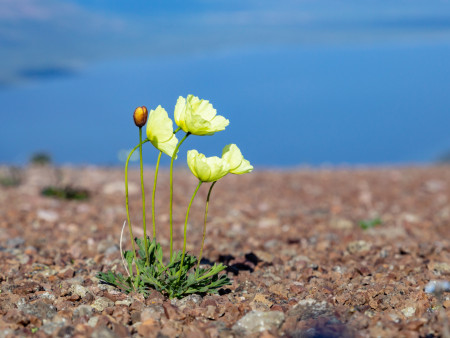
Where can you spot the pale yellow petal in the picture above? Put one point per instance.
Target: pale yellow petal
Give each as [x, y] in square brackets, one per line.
[219, 168]
[159, 126]
[202, 168]
[160, 131]
[233, 156]
[168, 147]
[180, 113]
[191, 161]
[244, 168]
[206, 169]
[198, 116]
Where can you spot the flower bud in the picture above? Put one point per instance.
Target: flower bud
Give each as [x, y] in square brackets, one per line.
[140, 116]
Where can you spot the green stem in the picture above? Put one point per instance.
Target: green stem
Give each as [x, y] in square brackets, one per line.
[171, 191]
[185, 226]
[204, 225]
[126, 201]
[154, 194]
[143, 195]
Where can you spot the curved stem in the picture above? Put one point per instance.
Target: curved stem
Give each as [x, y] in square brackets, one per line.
[154, 194]
[185, 226]
[143, 195]
[204, 224]
[126, 201]
[171, 191]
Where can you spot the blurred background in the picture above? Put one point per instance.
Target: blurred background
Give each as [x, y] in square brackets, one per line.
[302, 82]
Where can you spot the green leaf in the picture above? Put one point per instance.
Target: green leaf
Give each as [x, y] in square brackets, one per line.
[370, 223]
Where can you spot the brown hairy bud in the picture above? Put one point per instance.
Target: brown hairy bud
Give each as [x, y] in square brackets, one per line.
[140, 116]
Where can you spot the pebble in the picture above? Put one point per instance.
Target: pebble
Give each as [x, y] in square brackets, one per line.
[264, 256]
[173, 312]
[260, 302]
[152, 312]
[409, 311]
[309, 308]
[47, 215]
[341, 224]
[358, 246]
[15, 242]
[82, 310]
[102, 303]
[437, 287]
[39, 309]
[92, 322]
[440, 268]
[50, 327]
[111, 250]
[257, 321]
[127, 302]
[118, 187]
[79, 290]
[103, 332]
[182, 303]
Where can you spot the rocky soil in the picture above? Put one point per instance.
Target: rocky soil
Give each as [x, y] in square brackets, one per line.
[300, 263]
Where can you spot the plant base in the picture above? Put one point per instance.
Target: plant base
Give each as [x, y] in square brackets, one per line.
[167, 279]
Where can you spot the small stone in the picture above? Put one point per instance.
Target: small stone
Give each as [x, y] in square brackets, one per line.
[15, 242]
[102, 303]
[182, 303]
[103, 332]
[92, 322]
[341, 224]
[126, 302]
[264, 256]
[437, 287]
[82, 310]
[358, 246]
[39, 309]
[47, 215]
[66, 332]
[260, 302]
[409, 311]
[279, 290]
[111, 250]
[74, 298]
[309, 308]
[117, 187]
[440, 268]
[46, 295]
[50, 327]
[78, 290]
[172, 312]
[257, 321]
[152, 312]
[148, 328]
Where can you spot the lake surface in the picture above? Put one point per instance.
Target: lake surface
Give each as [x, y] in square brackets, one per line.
[325, 101]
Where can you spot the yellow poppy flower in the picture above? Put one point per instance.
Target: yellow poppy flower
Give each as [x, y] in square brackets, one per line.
[237, 163]
[206, 169]
[160, 131]
[198, 117]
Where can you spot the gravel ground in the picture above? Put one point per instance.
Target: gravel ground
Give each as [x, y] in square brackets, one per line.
[300, 263]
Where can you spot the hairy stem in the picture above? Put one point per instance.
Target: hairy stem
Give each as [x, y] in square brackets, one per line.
[185, 226]
[154, 194]
[171, 192]
[143, 195]
[204, 224]
[126, 201]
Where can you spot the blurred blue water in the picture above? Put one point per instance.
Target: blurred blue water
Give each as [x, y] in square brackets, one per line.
[289, 103]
